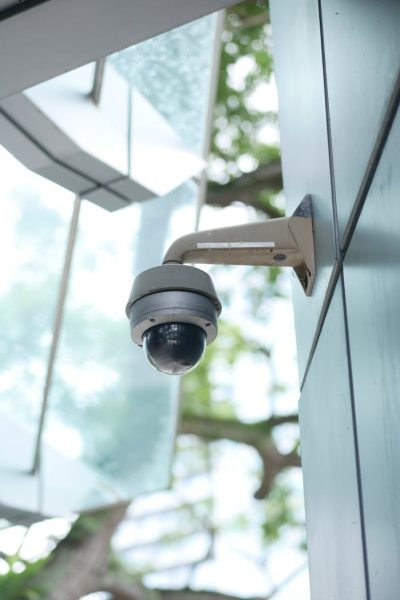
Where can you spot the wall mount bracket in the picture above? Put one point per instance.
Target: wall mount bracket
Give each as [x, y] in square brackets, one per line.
[283, 242]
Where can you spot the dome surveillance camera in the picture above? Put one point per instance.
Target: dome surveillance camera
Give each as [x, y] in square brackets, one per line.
[173, 310]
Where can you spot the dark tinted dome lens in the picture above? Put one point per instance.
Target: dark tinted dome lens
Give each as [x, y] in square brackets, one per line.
[174, 348]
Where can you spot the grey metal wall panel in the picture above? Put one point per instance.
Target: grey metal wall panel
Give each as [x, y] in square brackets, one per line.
[362, 48]
[302, 120]
[353, 514]
[372, 279]
[329, 465]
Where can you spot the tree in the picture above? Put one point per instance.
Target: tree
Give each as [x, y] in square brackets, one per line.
[238, 122]
[235, 146]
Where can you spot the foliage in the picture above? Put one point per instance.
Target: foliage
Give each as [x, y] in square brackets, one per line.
[246, 48]
[198, 388]
[281, 512]
[16, 583]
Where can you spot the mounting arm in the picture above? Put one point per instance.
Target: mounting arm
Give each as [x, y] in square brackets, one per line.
[286, 242]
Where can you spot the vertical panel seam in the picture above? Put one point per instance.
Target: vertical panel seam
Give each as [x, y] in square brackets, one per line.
[337, 266]
[329, 135]
[359, 201]
[357, 208]
[373, 162]
[356, 443]
[338, 260]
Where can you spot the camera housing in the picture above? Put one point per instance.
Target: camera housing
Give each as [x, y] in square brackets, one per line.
[173, 311]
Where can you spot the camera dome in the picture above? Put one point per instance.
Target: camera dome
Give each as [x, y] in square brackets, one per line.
[174, 348]
[173, 312]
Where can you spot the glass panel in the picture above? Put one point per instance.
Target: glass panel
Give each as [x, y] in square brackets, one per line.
[173, 71]
[111, 420]
[34, 222]
[109, 407]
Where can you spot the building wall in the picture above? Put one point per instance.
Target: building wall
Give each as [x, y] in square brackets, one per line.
[337, 66]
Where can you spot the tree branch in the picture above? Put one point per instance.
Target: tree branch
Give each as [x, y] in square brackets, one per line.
[122, 591]
[256, 435]
[249, 22]
[132, 590]
[247, 187]
[276, 421]
[123, 587]
[189, 594]
[214, 428]
[273, 462]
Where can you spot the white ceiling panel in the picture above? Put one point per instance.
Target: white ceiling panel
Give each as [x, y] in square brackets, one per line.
[56, 36]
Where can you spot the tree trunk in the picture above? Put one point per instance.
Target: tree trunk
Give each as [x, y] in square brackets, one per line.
[80, 561]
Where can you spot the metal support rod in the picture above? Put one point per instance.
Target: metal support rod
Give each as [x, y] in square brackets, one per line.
[98, 80]
[58, 319]
[284, 242]
[212, 98]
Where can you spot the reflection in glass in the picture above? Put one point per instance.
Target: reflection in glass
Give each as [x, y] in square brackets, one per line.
[173, 71]
[108, 406]
[33, 232]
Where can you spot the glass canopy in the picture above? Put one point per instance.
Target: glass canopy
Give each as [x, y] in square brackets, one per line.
[173, 71]
[111, 419]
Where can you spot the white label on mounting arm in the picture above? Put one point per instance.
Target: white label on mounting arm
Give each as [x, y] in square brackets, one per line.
[220, 245]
